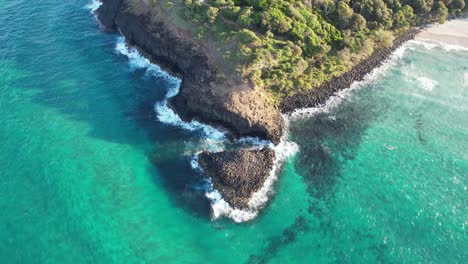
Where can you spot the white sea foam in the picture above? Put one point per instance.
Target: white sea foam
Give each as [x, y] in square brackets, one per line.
[338, 97]
[423, 42]
[93, 5]
[427, 83]
[431, 44]
[164, 113]
[415, 75]
[221, 208]
[283, 150]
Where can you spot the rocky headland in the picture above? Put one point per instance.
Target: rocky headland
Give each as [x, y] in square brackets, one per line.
[237, 174]
[206, 93]
[210, 95]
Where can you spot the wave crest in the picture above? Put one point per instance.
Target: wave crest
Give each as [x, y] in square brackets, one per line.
[220, 207]
[163, 112]
[93, 5]
[427, 83]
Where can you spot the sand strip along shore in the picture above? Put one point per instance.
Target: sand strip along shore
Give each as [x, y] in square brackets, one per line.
[453, 32]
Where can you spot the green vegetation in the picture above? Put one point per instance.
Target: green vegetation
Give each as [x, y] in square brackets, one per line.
[286, 46]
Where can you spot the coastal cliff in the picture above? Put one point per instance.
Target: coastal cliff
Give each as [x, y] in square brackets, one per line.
[211, 94]
[320, 94]
[206, 93]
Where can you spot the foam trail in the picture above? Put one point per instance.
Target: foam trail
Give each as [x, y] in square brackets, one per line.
[219, 206]
[466, 79]
[338, 97]
[93, 5]
[164, 113]
[431, 44]
[427, 44]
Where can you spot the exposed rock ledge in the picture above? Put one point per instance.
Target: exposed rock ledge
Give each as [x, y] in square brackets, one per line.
[204, 94]
[232, 104]
[237, 174]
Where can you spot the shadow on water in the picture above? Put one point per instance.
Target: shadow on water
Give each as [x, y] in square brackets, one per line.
[74, 69]
[183, 183]
[327, 140]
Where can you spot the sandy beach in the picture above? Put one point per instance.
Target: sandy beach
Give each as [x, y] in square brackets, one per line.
[453, 32]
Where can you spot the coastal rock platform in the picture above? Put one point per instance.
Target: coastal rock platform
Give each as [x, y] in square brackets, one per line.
[237, 174]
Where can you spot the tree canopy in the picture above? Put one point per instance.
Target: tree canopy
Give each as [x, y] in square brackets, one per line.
[287, 46]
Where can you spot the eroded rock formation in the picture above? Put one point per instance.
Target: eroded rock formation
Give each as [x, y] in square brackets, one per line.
[237, 174]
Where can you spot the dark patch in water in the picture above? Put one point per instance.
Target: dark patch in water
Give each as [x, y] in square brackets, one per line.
[326, 141]
[419, 128]
[288, 236]
[181, 182]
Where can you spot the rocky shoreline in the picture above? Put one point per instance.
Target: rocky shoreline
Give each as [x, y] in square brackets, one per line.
[319, 95]
[234, 105]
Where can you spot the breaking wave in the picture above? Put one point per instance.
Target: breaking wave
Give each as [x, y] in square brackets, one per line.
[427, 83]
[93, 5]
[431, 44]
[163, 112]
[283, 150]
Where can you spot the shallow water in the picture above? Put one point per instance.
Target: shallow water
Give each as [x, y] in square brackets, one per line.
[89, 174]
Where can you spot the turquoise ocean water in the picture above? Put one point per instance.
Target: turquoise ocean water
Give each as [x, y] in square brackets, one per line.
[89, 175]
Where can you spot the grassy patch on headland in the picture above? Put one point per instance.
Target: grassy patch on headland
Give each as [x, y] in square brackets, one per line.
[287, 46]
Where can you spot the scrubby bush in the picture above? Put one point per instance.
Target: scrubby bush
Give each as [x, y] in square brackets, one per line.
[290, 45]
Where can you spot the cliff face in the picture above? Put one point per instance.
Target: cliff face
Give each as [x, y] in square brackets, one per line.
[203, 95]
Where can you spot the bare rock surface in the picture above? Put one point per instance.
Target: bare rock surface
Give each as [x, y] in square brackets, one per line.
[237, 174]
